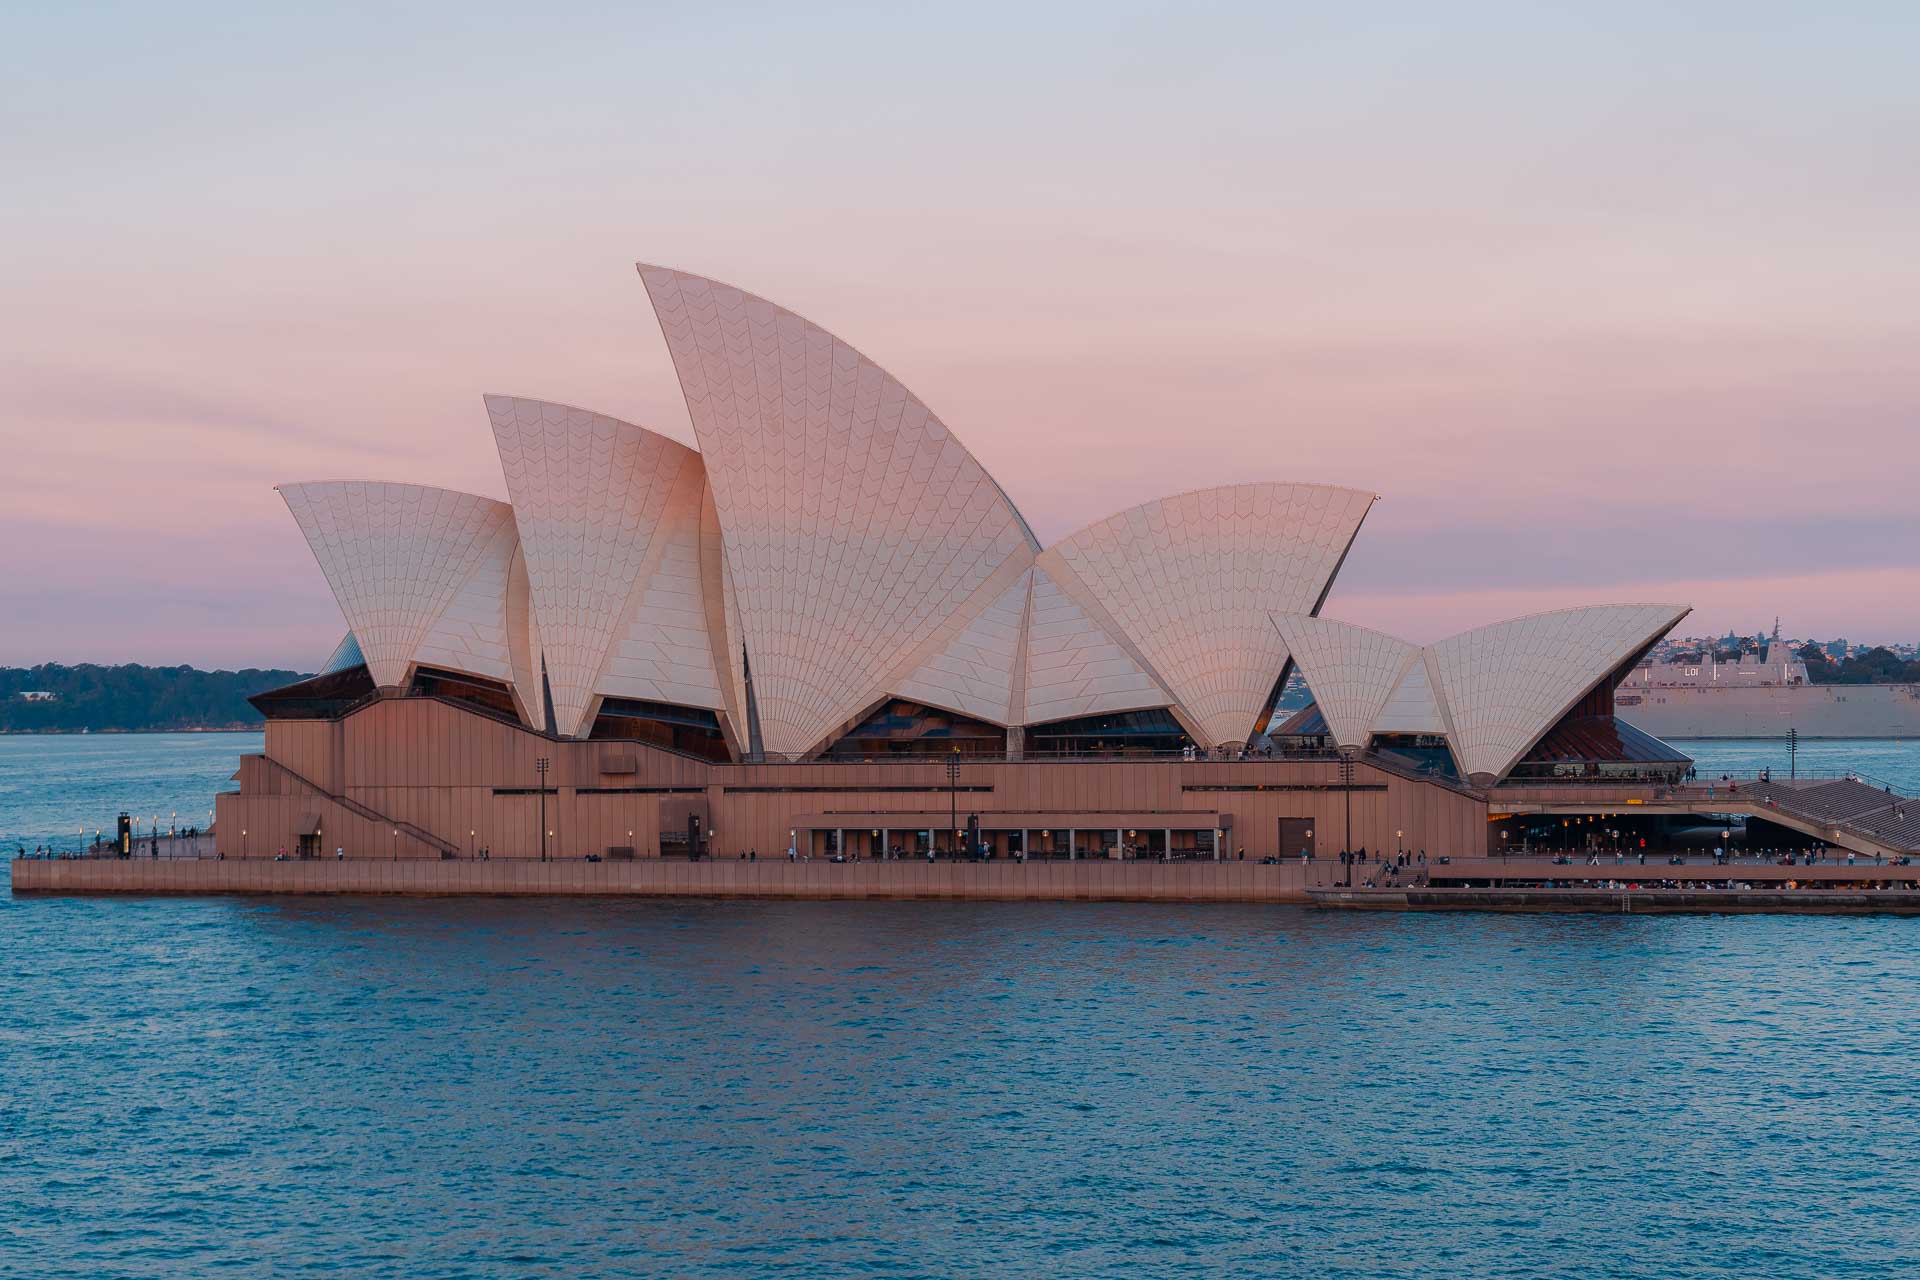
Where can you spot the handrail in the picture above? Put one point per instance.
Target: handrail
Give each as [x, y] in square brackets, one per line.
[363, 811]
[1765, 792]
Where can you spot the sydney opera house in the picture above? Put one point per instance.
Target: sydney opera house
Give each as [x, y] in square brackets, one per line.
[828, 629]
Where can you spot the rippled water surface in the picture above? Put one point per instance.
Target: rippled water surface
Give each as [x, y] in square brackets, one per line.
[422, 1088]
[52, 785]
[501, 1088]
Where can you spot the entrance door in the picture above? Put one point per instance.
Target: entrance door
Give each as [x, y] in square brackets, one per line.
[309, 846]
[1296, 837]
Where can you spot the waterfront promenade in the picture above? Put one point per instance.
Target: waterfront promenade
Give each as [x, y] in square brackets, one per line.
[1291, 881]
[1082, 881]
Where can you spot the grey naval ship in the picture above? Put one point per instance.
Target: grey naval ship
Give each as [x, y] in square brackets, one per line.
[1761, 696]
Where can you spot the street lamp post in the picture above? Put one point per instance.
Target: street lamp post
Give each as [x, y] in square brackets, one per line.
[540, 767]
[953, 792]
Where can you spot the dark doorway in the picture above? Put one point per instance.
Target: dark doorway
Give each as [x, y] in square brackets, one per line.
[1296, 837]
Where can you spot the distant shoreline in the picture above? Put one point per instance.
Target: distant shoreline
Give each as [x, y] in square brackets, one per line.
[87, 733]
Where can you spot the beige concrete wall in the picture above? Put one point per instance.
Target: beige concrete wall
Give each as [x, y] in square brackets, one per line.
[1055, 881]
[441, 769]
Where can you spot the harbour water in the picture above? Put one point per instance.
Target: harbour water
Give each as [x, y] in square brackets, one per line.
[1882, 760]
[428, 1088]
[52, 785]
[506, 1088]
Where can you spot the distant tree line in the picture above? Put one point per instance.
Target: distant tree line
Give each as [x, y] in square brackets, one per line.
[132, 698]
[1875, 666]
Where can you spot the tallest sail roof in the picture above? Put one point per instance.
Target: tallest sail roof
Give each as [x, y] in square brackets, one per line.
[856, 524]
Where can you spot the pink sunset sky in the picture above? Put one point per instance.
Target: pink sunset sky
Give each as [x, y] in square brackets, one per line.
[1619, 302]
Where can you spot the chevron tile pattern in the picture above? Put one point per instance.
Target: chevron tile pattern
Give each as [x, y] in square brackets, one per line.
[598, 502]
[395, 555]
[1351, 670]
[837, 532]
[664, 653]
[974, 672]
[855, 523]
[1412, 708]
[1195, 581]
[471, 634]
[1504, 685]
[1074, 667]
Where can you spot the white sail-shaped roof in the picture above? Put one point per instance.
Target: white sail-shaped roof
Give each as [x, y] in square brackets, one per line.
[1412, 707]
[601, 505]
[1505, 685]
[395, 555]
[1074, 666]
[838, 543]
[1195, 580]
[470, 634]
[723, 618]
[974, 670]
[1352, 671]
[664, 653]
[854, 523]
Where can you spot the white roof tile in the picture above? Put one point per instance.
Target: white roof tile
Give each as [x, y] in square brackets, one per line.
[396, 556]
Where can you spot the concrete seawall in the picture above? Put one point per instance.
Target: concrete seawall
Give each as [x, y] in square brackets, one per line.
[1083, 881]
